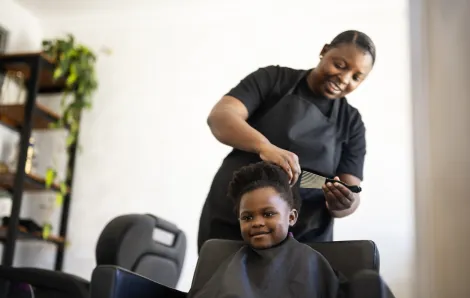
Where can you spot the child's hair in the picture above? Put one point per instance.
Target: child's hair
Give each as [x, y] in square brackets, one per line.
[258, 175]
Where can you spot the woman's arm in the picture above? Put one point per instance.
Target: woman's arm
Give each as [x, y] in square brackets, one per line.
[227, 122]
[341, 201]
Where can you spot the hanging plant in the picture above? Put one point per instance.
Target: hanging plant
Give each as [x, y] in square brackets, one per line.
[74, 65]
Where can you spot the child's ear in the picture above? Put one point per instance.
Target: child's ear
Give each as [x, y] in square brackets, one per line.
[293, 215]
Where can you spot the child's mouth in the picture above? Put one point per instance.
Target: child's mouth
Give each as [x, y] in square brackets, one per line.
[259, 235]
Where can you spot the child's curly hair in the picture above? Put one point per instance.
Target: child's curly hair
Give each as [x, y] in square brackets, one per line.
[262, 174]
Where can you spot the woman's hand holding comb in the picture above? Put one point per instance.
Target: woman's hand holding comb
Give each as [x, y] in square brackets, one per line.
[339, 199]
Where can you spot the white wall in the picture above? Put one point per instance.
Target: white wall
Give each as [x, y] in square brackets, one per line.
[25, 29]
[146, 144]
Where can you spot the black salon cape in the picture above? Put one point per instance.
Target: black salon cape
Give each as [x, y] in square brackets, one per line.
[291, 269]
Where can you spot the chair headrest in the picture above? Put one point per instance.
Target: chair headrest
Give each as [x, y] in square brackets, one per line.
[127, 238]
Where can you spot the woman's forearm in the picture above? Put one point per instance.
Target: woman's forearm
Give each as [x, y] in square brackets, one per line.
[228, 124]
[232, 130]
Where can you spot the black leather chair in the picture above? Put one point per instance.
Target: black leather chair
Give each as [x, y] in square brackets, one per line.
[126, 241]
[347, 257]
[129, 242]
[42, 283]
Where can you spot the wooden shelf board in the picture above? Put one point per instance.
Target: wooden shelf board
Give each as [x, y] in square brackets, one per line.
[25, 235]
[13, 115]
[45, 77]
[20, 56]
[31, 183]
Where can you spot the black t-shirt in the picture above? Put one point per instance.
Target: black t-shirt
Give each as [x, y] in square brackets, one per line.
[261, 89]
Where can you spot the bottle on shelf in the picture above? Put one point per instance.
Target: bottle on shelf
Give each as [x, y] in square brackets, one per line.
[30, 158]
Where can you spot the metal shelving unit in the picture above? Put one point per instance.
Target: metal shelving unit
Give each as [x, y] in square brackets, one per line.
[37, 70]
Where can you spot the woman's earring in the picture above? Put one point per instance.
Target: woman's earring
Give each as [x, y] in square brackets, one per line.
[321, 57]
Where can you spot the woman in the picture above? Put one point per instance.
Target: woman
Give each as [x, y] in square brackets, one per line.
[295, 118]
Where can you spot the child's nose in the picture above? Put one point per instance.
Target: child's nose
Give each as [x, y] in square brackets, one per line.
[258, 221]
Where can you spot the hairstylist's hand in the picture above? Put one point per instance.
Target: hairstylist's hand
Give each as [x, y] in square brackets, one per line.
[285, 159]
[338, 197]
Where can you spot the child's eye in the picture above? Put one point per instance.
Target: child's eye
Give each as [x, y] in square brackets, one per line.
[246, 218]
[269, 214]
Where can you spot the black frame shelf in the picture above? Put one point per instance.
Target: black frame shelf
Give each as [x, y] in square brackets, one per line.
[37, 69]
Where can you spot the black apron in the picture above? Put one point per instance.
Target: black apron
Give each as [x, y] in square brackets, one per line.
[297, 125]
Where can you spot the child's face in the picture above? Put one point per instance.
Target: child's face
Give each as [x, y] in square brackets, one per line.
[265, 217]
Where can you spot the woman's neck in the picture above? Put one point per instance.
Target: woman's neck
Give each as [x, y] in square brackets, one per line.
[311, 82]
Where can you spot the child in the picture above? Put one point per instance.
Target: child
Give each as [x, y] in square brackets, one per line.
[272, 263]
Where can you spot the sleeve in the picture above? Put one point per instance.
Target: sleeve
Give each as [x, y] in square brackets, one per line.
[253, 90]
[354, 150]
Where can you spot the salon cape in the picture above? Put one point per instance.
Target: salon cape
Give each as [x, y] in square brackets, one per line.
[291, 269]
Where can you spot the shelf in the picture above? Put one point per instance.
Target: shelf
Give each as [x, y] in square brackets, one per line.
[32, 182]
[24, 235]
[17, 62]
[13, 116]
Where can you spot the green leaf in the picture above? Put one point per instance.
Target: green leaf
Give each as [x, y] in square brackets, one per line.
[70, 140]
[57, 73]
[46, 231]
[59, 199]
[74, 127]
[72, 78]
[81, 88]
[63, 188]
[50, 176]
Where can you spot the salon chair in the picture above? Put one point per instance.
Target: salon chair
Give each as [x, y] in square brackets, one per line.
[347, 257]
[128, 241]
[144, 244]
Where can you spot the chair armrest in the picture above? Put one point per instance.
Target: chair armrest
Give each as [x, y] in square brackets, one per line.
[46, 281]
[114, 282]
